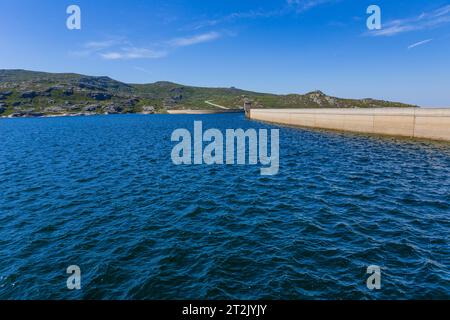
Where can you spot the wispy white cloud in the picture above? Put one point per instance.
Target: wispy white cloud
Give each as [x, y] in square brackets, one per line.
[303, 5]
[93, 47]
[420, 43]
[290, 6]
[424, 21]
[122, 49]
[189, 41]
[252, 14]
[98, 45]
[131, 53]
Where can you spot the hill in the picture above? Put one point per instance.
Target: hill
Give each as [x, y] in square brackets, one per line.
[30, 93]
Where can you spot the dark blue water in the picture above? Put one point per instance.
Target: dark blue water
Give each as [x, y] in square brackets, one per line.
[102, 193]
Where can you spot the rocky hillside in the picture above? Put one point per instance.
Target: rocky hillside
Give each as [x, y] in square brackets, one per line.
[28, 93]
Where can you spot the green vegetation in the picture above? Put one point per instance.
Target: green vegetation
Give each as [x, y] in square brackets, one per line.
[28, 93]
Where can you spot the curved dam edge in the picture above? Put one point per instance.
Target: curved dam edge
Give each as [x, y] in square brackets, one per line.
[431, 124]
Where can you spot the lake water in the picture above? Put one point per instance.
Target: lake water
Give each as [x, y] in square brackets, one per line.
[102, 193]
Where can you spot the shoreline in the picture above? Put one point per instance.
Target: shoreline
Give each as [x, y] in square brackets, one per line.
[200, 111]
[54, 115]
[64, 115]
[171, 112]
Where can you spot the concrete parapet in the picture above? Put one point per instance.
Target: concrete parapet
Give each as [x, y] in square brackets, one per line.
[407, 122]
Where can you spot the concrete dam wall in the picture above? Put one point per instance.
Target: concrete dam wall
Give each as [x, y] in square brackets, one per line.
[407, 122]
[207, 111]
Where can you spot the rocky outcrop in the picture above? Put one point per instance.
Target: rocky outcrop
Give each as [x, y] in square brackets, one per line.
[87, 86]
[54, 109]
[91, 108]
[148, 110]
[317, 97]
[72, 107]
[53, 88]
[112, 109]
[131, 102]
[26, 113]
[29, 94]
[100, 96]
[5, 95]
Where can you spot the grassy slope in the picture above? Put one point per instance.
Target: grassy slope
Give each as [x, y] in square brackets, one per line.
[51, 90]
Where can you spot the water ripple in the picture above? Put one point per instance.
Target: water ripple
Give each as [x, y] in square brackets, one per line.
[102, 193]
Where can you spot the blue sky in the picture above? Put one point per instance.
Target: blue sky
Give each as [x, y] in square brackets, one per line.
[280, 46]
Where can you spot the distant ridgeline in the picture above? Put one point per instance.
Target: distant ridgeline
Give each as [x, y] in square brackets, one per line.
[29, 93]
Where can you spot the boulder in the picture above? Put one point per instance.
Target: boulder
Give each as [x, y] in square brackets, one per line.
[29, 94]
[26, 113]
[177, 93]
[17, 114]
[148, 110]
[71, 107]
[36, 114]
[100, 96]
[52, 88]
[4, 95]
[131, 102]
[112, 109]
[91, 108]
[54, 109]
